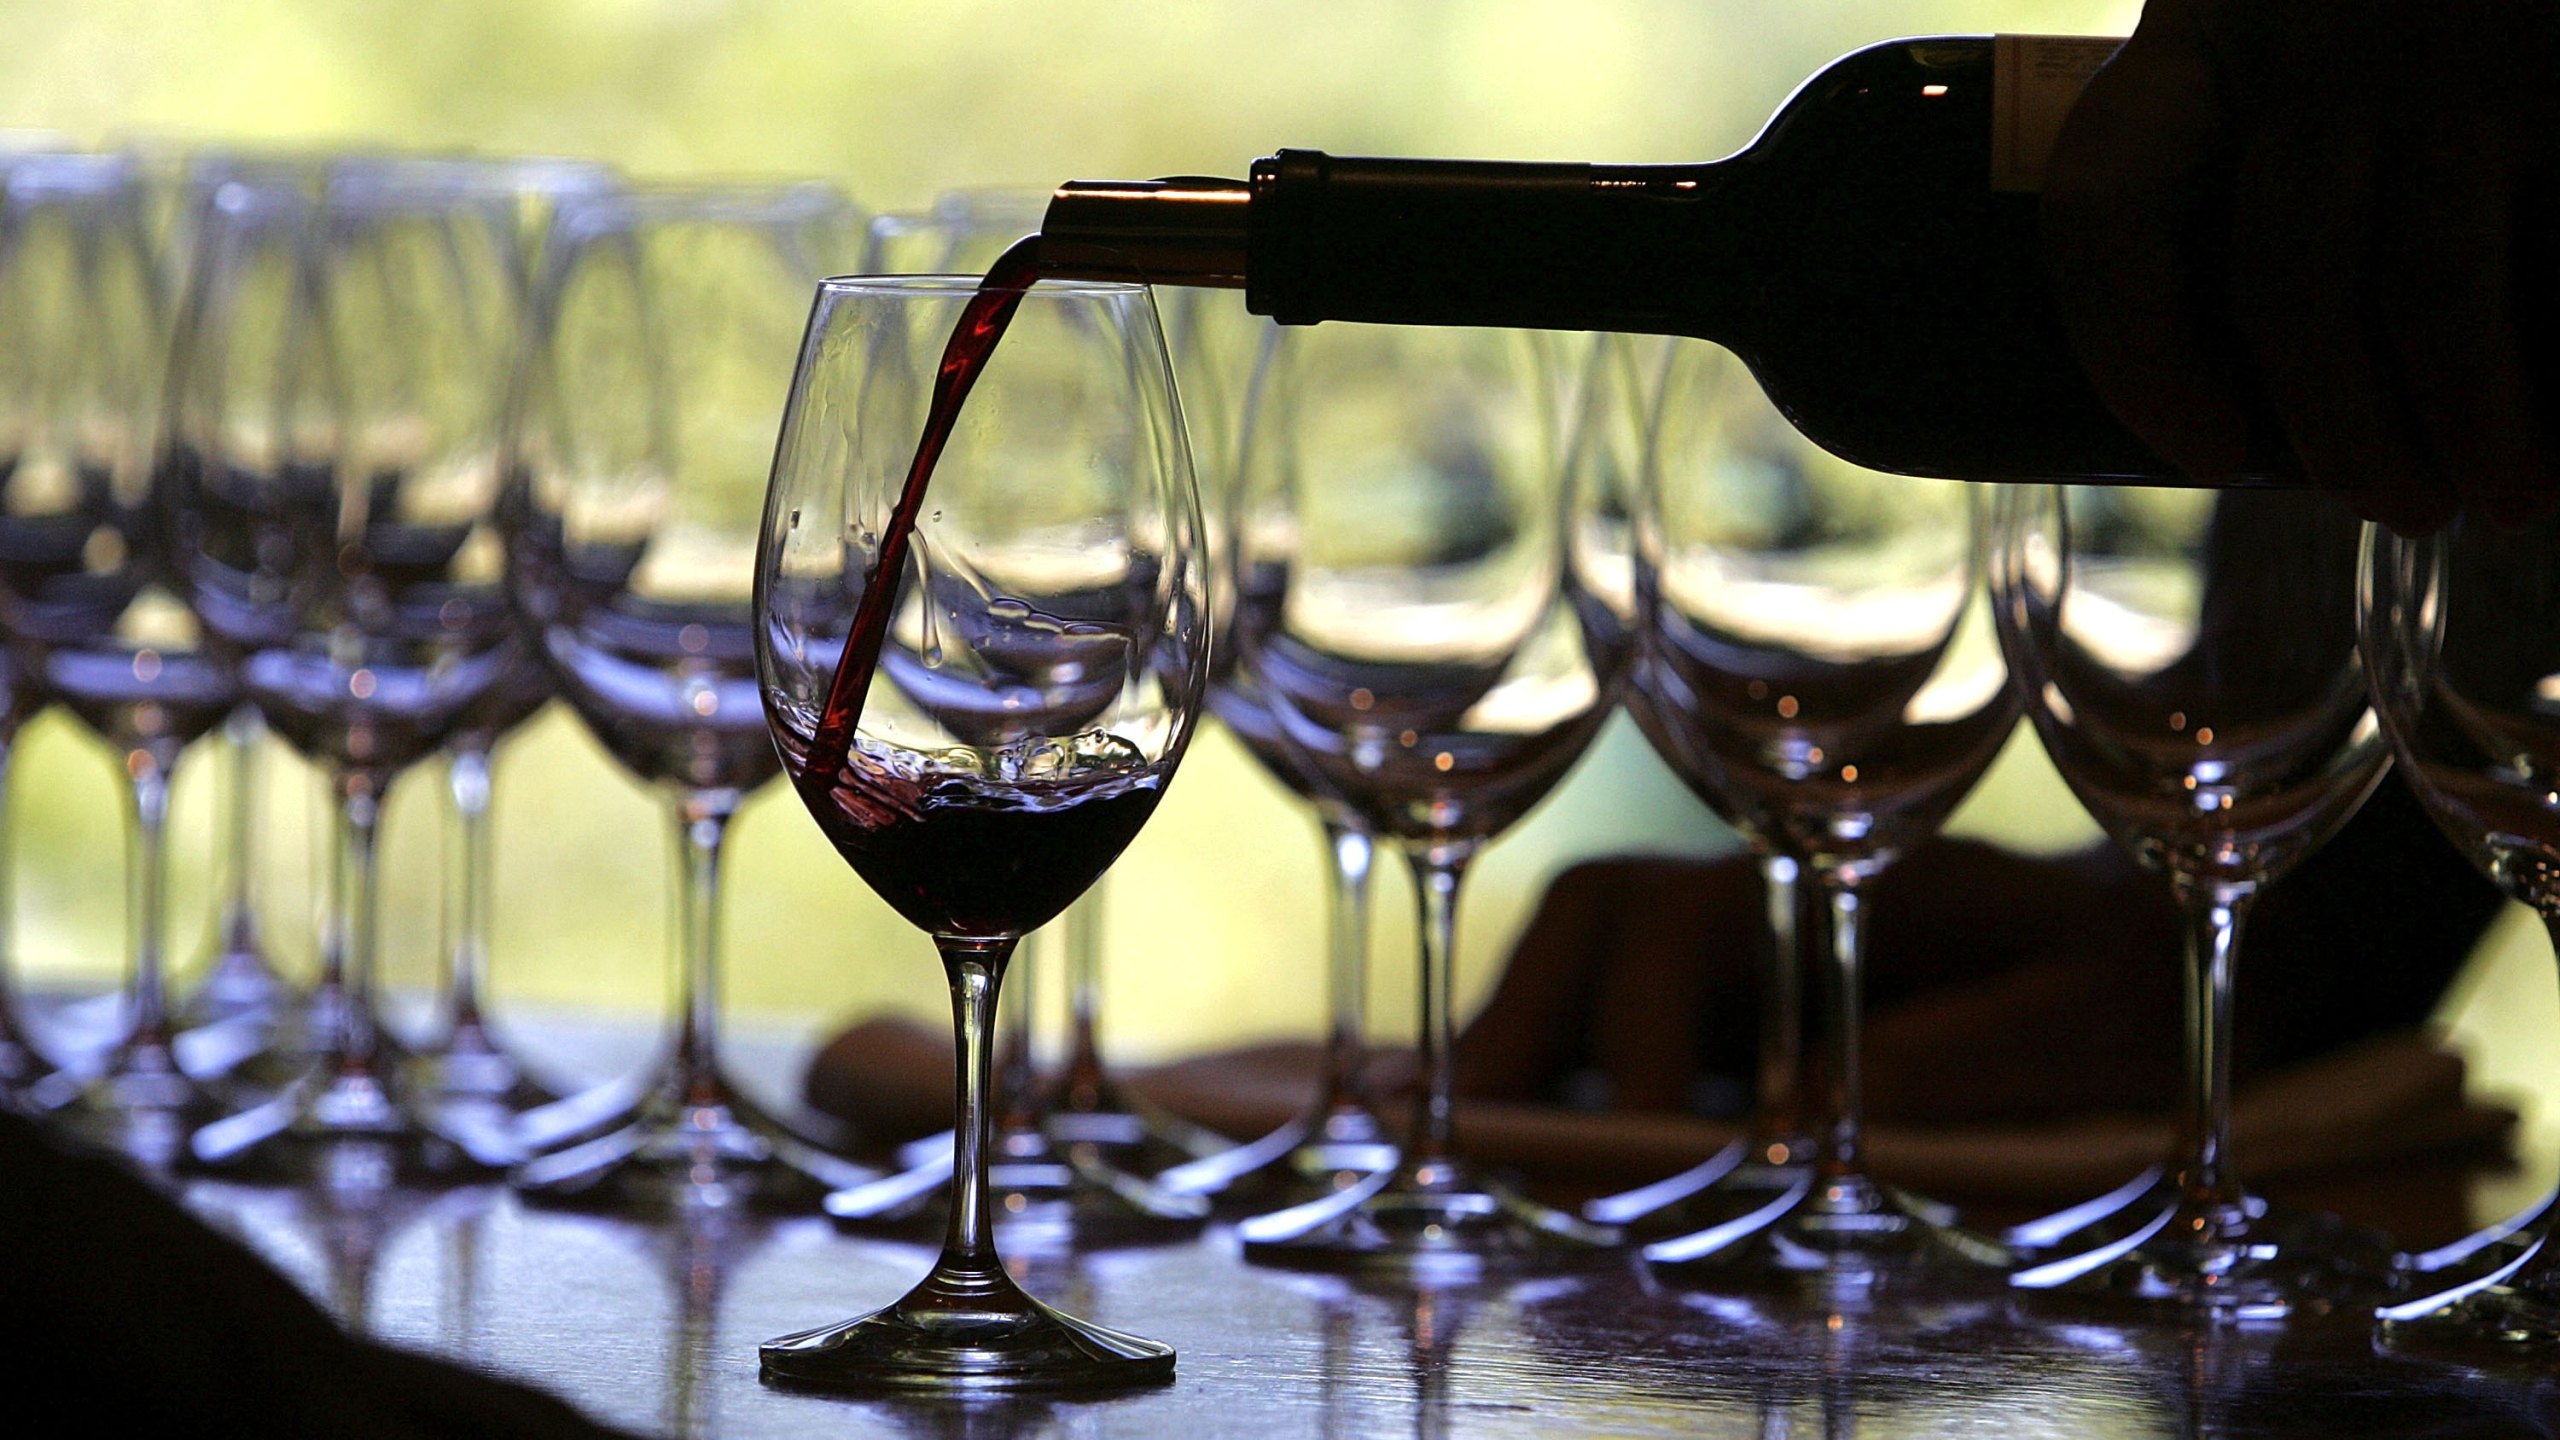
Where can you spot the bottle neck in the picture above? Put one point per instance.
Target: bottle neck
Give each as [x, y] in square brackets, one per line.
[1443, 242]
[1314, 237]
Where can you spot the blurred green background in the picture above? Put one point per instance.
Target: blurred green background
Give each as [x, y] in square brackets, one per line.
[1213, 925]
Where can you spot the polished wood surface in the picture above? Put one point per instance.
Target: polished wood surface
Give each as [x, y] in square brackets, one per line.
[655, 1327]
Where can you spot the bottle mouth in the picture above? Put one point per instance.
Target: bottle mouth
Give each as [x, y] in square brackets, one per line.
[1188, 230]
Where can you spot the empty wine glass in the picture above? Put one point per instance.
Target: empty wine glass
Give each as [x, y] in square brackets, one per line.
[1222, 357]
[461, 1056]
[82, 555]
[1041, 652]
[240, 1000]
[333, 418]
[2189, 659]
[1820, 668]
[1772, 1152]
[663, 338]
[2459, 638]
[1408, 622]
[28, 1077]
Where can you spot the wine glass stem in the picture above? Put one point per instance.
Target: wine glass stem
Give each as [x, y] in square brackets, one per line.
[349, 954]
[702, 824]
[1780, 1107]
[1347, 969]
[146, 881]
[467, 779]
[1437, 871]
[8, 896]
[1082, 927]
[2213, 914]
[976, 972]
[1842, 1127]
[1017, 1064]
[242, 731]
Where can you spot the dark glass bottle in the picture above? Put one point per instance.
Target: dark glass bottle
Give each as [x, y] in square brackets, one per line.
[1857, 255]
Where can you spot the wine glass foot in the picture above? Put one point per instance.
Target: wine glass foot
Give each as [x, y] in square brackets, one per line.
[142, 1109]
[1736, 1180]
[943, 1339]
[470, 1066]
[2492, 1296]
[29, 1080]
[1045, 1197]
[1307, 1159]
[2482, 1322]
[687, 1149]
[2234, 1260]
[339, 1129]
[1842, 1232]
[286, 1047]
[1126, 1132]
[239, 985]
[1427, 1222]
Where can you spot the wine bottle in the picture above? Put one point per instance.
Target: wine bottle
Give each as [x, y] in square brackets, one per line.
[1872, 255]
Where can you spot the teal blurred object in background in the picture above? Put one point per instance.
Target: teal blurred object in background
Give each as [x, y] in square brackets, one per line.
[1215, 925]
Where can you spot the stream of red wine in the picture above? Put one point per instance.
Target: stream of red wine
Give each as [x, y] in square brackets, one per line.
[973, 342]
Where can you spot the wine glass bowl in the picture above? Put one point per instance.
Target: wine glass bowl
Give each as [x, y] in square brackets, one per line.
[2191, 664]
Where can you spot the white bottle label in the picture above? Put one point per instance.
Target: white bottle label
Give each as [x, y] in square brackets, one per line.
[2035, 79]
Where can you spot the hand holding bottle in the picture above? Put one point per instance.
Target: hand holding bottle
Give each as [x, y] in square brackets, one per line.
[2337, 216]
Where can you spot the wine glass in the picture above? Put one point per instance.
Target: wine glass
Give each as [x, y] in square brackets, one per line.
[333, 421]
[1406, 617]
[1223, 358]
[82, 558]
[2189, 659]
[664, 330]
[1819, 667]
[2459, 641]
[1772, 1152]
[1041, 651]
[1110, 1134]
[28, 1077]
[462, 1057]
[241, 1001]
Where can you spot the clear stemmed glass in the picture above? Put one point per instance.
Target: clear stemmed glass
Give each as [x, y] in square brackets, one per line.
[238, 988]
[82, 552]
[461, 1057]
[662, 345]
[1223, 356]
[1772, 1152]
[1409, 624]
[2459, 640]
[1819, 667]
[1035, 690]
[333, 421]
[28, 1077]
[2189, 659]
[1087, 1108]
